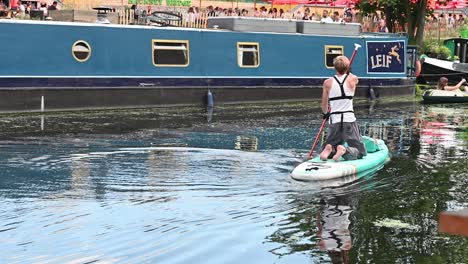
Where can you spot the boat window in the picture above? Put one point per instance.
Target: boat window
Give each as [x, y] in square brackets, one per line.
[171, 53]
[81, 51]
[248, 54]
[331, 52]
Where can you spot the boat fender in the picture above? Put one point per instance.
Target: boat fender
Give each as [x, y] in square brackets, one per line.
[209, 99]
[418, 68]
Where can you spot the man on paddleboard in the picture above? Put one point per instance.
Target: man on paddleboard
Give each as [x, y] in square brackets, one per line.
[343, 137]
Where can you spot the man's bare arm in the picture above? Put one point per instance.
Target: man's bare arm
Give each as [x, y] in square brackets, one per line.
[326, 90]
[352, 81]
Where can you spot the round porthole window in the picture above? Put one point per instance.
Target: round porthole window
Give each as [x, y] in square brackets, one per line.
[81, 51]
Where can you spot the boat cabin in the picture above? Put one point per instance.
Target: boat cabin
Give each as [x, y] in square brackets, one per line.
[244, 24]
[458, 47]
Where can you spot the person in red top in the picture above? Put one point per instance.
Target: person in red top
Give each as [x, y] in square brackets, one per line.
[13, 5]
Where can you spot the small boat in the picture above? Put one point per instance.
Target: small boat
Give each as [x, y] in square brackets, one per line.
[442, 96]
[434, 68]
[318, 170]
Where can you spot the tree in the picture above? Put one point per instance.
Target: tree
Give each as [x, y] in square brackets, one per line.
[410, 15]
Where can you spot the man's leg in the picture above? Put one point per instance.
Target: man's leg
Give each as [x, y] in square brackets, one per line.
[333, 139]
[354, 140]
[351, 154]
[340, 151]
[326, 152]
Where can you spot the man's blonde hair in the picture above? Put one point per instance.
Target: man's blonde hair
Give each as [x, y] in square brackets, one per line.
[341, 64]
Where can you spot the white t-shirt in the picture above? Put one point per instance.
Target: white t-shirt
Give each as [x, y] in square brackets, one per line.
[326, 19]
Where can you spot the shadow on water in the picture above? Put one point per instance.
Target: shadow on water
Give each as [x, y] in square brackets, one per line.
[177, 185]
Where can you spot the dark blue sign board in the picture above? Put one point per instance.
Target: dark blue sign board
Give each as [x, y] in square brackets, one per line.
[386, 57]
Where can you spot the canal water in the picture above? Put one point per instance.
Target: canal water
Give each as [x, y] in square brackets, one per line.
[187, 185]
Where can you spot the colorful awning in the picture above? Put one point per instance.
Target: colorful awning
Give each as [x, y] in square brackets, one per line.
[338, 3]
[448, 4]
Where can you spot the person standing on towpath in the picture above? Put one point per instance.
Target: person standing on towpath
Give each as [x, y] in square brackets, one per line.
[343, 138]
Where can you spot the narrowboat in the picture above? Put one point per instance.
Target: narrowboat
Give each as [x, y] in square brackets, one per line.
[454, 69]
[51, 65]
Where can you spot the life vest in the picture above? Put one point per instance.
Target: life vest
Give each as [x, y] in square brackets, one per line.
[340, 99]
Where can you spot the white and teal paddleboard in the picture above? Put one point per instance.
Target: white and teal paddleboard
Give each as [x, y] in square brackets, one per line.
[316, 169]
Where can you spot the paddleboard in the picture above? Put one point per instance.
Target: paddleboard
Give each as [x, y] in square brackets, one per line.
[317, 170]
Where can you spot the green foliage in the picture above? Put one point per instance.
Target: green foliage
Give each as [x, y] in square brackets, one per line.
[463, 134]
[444, 53]
[410, 14]
[429, 46]
[463, 28]
[432, 48]
[418, 90]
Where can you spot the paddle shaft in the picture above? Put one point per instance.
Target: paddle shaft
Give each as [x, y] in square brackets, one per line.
[329, 109]
[352, 58]
[318, 135]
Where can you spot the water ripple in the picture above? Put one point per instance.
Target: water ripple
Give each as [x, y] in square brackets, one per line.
[121, 198]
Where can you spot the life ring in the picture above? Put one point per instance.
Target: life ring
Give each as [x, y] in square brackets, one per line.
[418, 68]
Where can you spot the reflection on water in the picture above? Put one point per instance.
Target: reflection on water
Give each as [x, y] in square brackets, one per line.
[333, 228]
[153, 186]
[248, 143]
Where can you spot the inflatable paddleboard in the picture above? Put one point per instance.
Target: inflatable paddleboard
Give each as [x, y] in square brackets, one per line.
[316, 169]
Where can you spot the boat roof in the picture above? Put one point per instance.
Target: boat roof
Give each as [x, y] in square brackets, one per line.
[250, 29]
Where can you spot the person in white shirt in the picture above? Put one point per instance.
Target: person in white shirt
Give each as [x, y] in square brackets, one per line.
[336, 17]
[325, 17]
[338, 92]
[21, 9]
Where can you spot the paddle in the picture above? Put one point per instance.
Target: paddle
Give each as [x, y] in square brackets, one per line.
[356, 47]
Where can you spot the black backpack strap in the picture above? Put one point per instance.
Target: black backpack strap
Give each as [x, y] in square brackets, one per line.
[342, 116]
[341, 112]
[343, 95]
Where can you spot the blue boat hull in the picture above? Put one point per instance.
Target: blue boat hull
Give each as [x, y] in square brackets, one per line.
[71, 94]
[47, 67]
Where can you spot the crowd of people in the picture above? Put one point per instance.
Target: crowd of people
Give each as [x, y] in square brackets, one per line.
[370, 23]
[193, 14]
[447, 20]
[22, 8]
